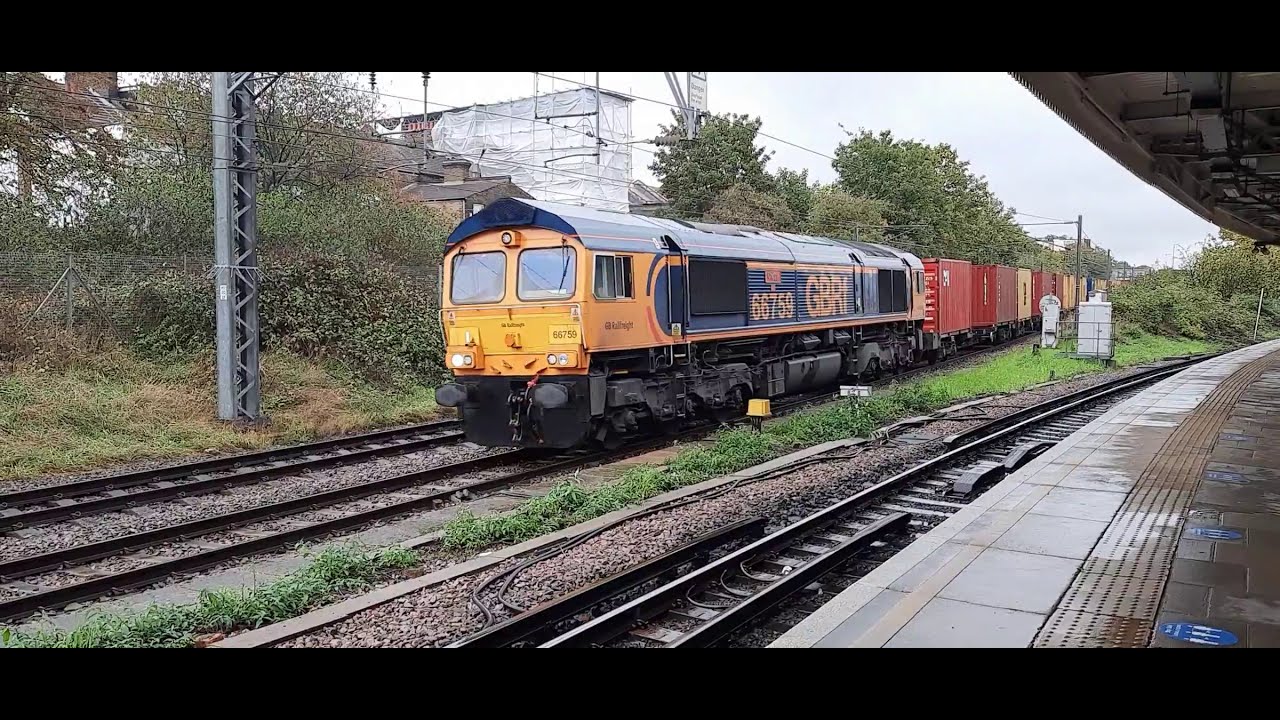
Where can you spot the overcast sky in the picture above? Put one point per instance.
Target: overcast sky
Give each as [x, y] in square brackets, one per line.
[1033, 161]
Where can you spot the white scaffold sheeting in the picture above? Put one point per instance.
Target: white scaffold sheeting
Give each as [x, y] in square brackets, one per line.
[548, 153]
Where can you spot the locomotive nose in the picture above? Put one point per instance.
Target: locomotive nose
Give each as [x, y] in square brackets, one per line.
[451, 395]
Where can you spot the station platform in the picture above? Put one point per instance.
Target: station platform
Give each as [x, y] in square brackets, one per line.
[1156, 525]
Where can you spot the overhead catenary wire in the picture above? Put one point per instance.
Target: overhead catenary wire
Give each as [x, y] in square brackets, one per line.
[850, 228]
[1007, 245]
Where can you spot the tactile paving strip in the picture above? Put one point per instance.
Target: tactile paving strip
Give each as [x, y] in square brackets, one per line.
[1115, 595]
[1067, 627]
[1113, 601]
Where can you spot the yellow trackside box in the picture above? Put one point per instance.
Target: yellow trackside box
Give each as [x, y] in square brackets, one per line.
[758, 408]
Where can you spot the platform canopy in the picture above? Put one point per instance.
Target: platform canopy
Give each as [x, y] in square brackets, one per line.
[1210, 140]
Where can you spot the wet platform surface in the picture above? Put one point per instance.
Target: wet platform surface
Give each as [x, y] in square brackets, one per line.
[1158, 524]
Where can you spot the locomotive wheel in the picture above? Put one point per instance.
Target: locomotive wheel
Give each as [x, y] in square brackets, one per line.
[613, 440]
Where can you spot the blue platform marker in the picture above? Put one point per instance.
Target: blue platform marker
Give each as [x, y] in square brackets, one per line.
[1238, 438]
[1226, 477]
[1199, 634]
[1216, 533]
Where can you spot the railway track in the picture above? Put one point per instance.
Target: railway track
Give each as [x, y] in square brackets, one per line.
[38, 582]
[825, 551]
[50, 503]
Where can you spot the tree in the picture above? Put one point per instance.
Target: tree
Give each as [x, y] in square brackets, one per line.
[1228, 265]
[931, 187]
[61, 152]
[836, 214]
[740, 205]
[693, 173]
[313, 129]
[796, 191]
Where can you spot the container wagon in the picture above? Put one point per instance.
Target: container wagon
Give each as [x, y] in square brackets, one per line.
[1068, 292]
[948, 307]
[1041, 285]
[1025, 300]
[995, 301]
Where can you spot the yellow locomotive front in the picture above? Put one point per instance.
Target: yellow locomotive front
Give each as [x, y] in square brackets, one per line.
[511, 309]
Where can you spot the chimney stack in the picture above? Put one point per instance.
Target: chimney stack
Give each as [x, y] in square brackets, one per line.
[456, 170]
[106, 84]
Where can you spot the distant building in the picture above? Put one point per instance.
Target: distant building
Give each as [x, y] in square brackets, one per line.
[459, 194]
[644, 200]
[1129, 273]
[571, 147]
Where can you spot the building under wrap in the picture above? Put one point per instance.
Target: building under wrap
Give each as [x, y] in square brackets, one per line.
[551, 153]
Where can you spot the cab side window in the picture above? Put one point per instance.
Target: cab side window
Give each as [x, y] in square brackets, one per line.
[613, 277]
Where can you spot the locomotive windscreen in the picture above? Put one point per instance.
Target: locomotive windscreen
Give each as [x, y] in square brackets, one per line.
[717, 286]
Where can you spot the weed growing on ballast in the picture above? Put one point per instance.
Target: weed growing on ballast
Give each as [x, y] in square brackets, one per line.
[332, 572]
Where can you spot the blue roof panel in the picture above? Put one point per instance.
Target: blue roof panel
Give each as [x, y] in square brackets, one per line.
[605, 230]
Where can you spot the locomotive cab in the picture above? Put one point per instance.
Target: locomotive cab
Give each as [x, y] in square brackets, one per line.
[511, 311]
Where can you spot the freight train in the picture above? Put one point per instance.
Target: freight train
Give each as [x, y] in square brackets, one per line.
[566, 326]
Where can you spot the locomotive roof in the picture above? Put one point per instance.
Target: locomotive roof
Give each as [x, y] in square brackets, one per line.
[624, 232]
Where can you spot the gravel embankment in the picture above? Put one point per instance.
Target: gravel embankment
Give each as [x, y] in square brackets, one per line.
[50, 479]
[440, 614]
[64, 534]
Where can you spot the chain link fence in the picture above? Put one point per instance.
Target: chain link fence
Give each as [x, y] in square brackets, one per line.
[87, 294]
[89, 298]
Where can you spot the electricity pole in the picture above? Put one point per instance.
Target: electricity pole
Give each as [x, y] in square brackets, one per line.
[1079, 241]
[235, 210]
[426, 153]
[694, 106]
[1258, 318]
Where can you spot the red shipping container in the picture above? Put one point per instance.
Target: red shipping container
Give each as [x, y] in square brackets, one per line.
[947, 303]
[1006, 294]
[1041, 283]
[984, 296]
[995, 295]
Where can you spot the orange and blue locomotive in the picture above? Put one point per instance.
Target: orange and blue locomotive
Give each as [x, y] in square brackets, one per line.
[566, 325]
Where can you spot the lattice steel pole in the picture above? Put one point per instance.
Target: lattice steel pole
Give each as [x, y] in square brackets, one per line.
[235, 183]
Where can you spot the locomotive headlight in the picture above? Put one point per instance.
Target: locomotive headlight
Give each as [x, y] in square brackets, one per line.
[551, 359]
[466, 360]
[564, 359]
[506, 238]
[458, 360]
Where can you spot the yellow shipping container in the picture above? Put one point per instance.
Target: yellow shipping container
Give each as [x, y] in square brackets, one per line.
[1069, 292]
[1024, 294]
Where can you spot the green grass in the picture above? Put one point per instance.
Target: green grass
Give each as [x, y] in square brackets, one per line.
[569, 503]
[1016, 370]
[118, 406]
[335, 570]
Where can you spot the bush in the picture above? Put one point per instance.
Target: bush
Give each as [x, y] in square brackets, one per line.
[1169, 303]
[173, 313]
[381, 323]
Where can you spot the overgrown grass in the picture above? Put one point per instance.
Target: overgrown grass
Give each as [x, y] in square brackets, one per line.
[119, 406]
[570, 503]
[1016, 370]
[334, 571]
